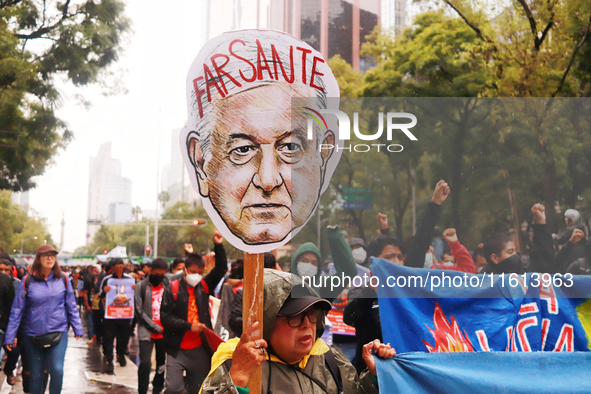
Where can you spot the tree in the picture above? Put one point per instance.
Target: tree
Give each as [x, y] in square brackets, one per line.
[350, 81]
[536, 49]
[171, 239]
[39, 41]
[439, 56]
[502, 157]
[105, 238]
[136, 212]
[20, 231]
[164, 197]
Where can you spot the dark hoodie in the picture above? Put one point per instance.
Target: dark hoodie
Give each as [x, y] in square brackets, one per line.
[541, 259]
[583, 265]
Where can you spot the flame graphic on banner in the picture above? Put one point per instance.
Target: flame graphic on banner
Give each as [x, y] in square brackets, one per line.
[448, 337]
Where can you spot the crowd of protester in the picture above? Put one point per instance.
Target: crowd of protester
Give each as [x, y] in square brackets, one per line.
[172, 307]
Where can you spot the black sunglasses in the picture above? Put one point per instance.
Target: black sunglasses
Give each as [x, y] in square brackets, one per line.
[297, 320]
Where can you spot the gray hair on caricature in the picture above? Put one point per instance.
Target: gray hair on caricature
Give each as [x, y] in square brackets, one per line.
[214, 76]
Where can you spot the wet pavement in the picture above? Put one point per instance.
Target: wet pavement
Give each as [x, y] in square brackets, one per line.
[84, 371]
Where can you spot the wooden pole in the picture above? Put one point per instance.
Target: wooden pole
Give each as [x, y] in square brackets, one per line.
[252, 305]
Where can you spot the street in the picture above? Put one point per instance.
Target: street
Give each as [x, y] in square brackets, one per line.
[83, 371]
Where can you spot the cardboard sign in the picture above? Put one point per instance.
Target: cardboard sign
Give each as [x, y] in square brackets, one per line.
[119, 300]
[338, 325]
[214, 308]
[240, 145]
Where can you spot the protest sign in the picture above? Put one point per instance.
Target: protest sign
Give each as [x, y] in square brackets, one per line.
[119, 299]
[240, 145]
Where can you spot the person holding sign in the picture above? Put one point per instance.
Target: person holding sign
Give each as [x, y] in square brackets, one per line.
[185, 315]
[148, 300]
[294, 357]
[251, 147]
[117, 294]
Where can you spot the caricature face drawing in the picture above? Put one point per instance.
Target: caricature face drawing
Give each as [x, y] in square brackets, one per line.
[253, 145]
[246, 156]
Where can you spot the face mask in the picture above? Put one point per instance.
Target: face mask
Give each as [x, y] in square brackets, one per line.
[511, 261]
[155, 280]
[307, 269]
[359, 255]
[193, 279]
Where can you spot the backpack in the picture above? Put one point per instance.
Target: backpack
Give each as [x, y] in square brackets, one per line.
[333, 368]
[174, 285]
[28, 278]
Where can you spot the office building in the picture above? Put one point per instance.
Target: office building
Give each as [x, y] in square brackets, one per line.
[21, 199]
[226, 15]
[333, 27]
[106, 187]
[394, 15]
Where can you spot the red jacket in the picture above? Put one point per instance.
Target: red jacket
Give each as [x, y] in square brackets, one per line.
[464, 261]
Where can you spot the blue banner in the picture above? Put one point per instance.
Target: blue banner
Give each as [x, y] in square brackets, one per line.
[474, 313]
[497, 372]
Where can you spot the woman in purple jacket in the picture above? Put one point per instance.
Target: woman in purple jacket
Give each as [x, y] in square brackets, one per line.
[46, 307]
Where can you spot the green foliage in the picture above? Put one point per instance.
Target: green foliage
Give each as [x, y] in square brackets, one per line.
[439, 56]
[19, 230]
[499, 156]
[171, 239]
[39, 41]
[350, 81]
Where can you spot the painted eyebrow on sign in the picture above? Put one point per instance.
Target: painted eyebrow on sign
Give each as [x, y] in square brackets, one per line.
[232, 138]
[301, 135]
[237, 136]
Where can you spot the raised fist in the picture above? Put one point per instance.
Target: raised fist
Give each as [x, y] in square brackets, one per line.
[539, 212]
[217, 237]
[450, 235]
[383, 221]
[441, 192]
[576, 236]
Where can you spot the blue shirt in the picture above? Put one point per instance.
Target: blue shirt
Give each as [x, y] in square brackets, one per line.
[48, 307]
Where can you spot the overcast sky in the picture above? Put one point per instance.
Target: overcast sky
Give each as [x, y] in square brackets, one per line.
[157, 56]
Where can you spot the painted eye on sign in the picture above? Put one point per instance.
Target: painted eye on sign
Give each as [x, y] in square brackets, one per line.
[239, 144]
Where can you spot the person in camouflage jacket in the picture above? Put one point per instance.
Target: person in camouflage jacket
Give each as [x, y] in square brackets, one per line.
[293, 357]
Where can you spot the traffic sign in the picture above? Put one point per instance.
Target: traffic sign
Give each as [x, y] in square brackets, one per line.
[357, 198]
[357, 205]
[356, 190]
